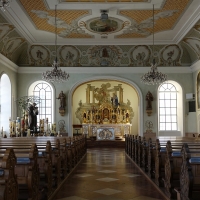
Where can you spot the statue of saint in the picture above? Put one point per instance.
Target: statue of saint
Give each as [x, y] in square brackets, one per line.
[32, 116]
[62, 98]
[149, 99]
[115, 100]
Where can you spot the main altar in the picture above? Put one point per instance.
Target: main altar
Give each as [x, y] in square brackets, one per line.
[104, 115]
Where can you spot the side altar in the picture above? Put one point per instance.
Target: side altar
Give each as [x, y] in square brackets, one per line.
[104, 114]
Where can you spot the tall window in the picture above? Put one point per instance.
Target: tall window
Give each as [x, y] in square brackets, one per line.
[168, 107]
[5, 100]
[43, 90]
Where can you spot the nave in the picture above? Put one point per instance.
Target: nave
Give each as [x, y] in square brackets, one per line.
[107, 174]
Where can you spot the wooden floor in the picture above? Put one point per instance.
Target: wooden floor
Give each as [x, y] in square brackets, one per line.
[107, 174]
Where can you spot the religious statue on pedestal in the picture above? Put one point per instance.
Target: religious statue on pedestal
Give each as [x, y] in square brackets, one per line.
[32, 116]
[62, 98]
[149, 99]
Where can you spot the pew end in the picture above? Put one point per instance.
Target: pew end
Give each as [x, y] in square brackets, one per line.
[178, 192]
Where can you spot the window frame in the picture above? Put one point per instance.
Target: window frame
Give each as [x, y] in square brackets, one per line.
[167, 104]
[41, 108]
[5, 103]
[180, 110]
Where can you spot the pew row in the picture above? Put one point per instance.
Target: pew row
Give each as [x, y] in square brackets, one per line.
[55, 158]
[8, 179]
[159, 160]
[189, 175]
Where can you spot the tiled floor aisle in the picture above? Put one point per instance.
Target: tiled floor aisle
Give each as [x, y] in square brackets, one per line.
[106, 174]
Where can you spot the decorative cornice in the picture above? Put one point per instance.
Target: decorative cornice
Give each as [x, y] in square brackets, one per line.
[191, 20]
[105, 70]
[8, 63]
[195, 66]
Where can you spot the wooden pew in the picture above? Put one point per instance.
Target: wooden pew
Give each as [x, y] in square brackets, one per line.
[57, 147]
[161, 161]
[126, 143]
[79, 141]
[144, 155]
[27, 170]
[189, 175]
[136, 148]
[167, 165]
[56, 162]
[8, 179]
[132, 148]
[44, 161]
[151, 159]
[140, 149]
[51, 154]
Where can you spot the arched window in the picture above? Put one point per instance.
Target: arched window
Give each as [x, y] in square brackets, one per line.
[45, 91]
[168, 107]
[170, 117]
[5, 99]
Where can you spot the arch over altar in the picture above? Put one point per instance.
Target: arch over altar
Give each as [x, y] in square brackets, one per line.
[104, 106]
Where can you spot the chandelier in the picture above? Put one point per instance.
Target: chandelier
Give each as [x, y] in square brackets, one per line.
[55, 74]
[153, 76]
[4, 4]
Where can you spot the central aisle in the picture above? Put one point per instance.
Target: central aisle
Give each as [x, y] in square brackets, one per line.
[106, 174]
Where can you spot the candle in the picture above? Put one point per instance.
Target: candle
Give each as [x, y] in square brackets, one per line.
[28, 132]
[2, 132]
[54, 127]
[14, 127]
[22, 124]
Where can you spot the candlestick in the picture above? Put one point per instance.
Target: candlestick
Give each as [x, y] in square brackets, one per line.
[22, 126]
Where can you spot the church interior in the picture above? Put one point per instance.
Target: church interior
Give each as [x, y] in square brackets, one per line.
[110, 88]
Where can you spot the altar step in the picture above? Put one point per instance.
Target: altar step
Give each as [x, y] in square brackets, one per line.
[118, 143]
[119, 138]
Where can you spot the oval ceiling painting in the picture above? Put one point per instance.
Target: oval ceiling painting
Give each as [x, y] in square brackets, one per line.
[110, 25]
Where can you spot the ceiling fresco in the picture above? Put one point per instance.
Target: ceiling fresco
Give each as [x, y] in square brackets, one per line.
[83, 25]
[135, 23]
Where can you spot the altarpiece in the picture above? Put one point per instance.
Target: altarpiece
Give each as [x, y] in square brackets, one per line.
[104, 114]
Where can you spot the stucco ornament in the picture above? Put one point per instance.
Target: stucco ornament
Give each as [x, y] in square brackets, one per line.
[142, 27]
[105, 55]
[73, 27]
[170, 56]
[39, 55]
[140, 56]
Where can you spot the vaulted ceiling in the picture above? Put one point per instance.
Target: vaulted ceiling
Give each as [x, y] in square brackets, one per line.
[31, 24]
